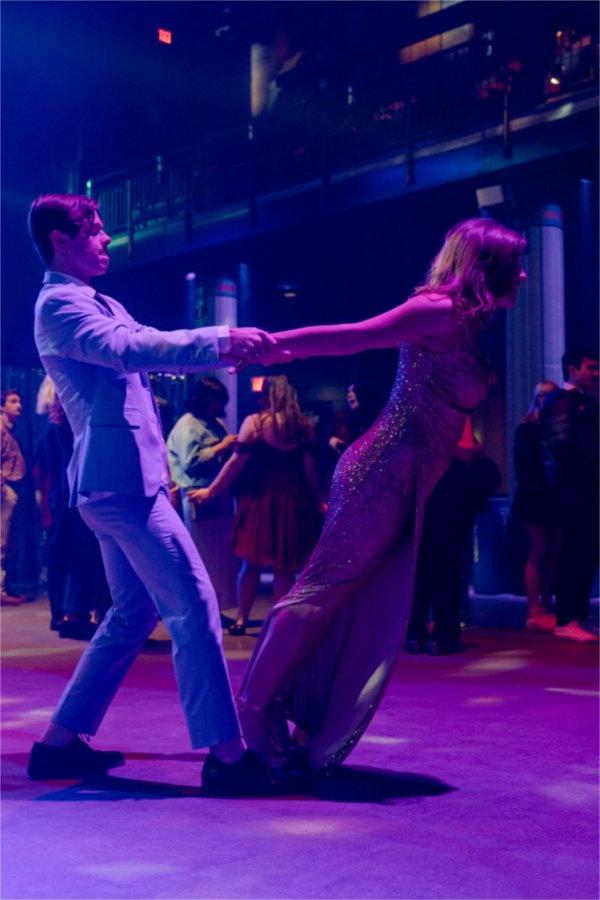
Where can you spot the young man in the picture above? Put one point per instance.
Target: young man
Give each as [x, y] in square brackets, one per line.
[98, 357]
[570, 434]
[12, 470]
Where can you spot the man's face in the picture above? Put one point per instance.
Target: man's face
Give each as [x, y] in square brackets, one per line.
[586, 377]
[85, 255]
[12, 407]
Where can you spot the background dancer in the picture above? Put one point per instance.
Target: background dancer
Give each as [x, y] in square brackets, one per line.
[279, 511]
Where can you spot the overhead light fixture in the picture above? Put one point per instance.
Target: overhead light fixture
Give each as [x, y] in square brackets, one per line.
[165, 36]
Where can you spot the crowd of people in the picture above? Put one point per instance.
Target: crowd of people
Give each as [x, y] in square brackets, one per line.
[254, 502]
[556, 462]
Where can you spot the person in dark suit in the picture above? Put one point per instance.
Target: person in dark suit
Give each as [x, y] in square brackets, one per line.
[570, 436]
[445, 554]
[98, 358]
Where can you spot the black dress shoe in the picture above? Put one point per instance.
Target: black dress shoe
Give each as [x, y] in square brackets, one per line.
[237, 629]
[75, 760]
[413, 646]
[250, 776]
[443, 648]
[77, 630]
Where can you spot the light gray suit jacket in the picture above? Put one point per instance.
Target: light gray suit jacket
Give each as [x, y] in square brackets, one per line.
[98, 355]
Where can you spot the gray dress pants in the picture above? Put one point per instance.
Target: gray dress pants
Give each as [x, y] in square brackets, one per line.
[152, 567]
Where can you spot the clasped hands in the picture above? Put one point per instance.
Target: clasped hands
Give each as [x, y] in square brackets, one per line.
[253, 346]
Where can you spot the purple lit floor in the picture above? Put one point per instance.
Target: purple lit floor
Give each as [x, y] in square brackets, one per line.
[476, 779]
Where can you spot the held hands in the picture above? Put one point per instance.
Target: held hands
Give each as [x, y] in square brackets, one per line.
[251, 346]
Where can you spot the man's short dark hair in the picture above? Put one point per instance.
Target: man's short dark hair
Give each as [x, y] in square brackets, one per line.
[6, 393]
[575, 356]
[60, 212]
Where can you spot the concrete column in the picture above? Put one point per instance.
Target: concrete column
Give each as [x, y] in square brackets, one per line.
[226, 314]
[536, 327]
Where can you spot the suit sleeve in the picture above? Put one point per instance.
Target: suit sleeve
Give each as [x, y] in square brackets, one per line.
[79, 332]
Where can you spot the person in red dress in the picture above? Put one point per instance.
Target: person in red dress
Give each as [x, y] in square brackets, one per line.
[278, 516]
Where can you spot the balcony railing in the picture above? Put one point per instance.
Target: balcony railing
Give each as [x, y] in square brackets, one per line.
[312, 138]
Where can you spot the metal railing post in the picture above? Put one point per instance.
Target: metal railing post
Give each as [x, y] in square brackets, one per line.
[129, 218]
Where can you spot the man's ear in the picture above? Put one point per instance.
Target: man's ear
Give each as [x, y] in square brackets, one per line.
[59, 240]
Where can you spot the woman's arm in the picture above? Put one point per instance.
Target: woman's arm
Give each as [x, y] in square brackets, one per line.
[230, 470]
[198, 454]
[415, 320]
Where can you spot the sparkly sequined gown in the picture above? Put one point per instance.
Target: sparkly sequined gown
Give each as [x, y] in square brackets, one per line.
[341, 627]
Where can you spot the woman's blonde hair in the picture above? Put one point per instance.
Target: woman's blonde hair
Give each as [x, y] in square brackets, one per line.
[46, 397]
[280, 401]
[479, 263]
[541, 389]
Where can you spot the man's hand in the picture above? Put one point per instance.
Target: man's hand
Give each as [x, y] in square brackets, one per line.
[252, 346]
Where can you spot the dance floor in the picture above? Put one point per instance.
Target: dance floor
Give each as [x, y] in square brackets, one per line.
[476, 779]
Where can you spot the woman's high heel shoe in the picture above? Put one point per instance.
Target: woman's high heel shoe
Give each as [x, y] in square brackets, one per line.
[237, 629]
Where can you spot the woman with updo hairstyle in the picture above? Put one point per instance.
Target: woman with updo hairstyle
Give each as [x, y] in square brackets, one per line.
[279, 508]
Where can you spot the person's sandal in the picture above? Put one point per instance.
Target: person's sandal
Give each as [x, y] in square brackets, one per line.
[237, 629]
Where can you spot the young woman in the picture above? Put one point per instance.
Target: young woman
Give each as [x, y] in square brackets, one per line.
[328, 648]
[278, 515]
[536, 506]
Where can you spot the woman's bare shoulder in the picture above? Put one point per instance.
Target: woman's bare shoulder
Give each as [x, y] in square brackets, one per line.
[249, 428]
[432, 300]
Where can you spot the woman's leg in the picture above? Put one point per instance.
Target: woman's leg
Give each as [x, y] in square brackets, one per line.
[537, 617]
[533, 575]
[290, 630]
[248, 588]
[287, 636]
